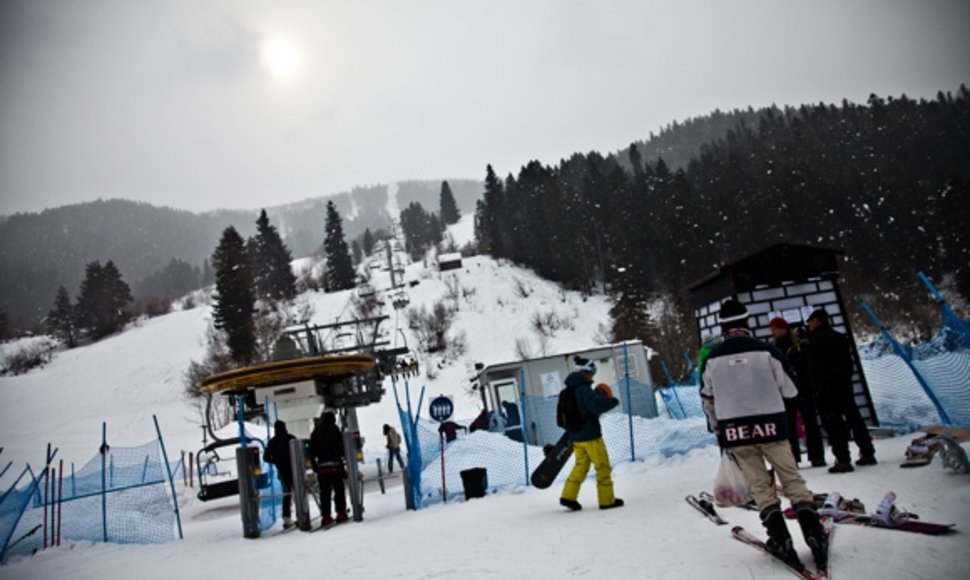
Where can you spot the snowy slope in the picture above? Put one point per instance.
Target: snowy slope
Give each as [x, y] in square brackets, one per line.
[126, 378]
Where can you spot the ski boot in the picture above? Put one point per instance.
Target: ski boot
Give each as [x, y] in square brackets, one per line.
[779, 541]
[813, 532]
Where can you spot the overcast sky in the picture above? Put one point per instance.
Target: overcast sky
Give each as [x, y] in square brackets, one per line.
[206, 104]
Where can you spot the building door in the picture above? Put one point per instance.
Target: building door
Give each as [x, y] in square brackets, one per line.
[506, 396]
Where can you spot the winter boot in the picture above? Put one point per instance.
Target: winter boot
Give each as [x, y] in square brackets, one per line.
[779, 541]
[342, 517]
[287, 522]
[866, 460]
[841, 467]
[616, 504]
[326, 520]
[572, 504]
[813, 533]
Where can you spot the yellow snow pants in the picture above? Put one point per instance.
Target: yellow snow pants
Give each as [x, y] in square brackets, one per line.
[591, 452]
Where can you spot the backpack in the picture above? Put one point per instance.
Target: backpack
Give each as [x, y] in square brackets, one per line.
[568, 414]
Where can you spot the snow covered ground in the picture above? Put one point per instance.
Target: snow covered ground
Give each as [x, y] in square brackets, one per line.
[523, 533]
[518, 533]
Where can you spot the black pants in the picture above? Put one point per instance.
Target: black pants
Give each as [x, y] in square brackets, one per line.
[804, 405]
[286, 479]
[331, 481]
[841, 418]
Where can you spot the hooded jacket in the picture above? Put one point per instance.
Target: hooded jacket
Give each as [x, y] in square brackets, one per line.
[278, 450]
[744, 385]
[592, 404]
[327, 442]
[829, 361]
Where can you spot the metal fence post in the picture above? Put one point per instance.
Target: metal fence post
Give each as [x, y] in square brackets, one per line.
[898, 348]
[171, 482]
[522, 421]
[104, 482]
[629, 400]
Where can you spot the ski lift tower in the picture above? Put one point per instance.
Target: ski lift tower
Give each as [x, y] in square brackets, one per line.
[788, 281]
[340, 378]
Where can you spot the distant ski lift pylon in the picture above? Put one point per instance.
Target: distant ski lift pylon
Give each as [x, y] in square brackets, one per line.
[365, 291]
[400, 300]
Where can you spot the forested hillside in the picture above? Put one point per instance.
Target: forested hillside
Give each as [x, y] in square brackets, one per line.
[41, 251]
[887, 181]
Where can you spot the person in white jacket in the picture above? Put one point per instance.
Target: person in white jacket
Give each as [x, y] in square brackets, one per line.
[744, 386]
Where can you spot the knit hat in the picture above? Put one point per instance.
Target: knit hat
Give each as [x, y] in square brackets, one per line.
[732, 311]
[819, 315]
[583, 365]
[279, 427]
[779, 323]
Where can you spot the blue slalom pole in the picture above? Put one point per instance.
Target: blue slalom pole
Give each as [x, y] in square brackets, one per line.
[522, 421]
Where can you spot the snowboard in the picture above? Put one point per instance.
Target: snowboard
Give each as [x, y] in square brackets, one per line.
[912, 526]
[556, 457]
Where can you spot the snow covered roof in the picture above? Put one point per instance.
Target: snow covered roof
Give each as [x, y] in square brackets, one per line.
[452, 257]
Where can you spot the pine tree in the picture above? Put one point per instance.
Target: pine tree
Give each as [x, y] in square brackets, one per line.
[489, 234]
[270, 262]
[340, 267]
[368, 242]
[102, 300]
[447, 205]
[356, 252]
[234, 305]
[628, 311]
[61, 320]
[208, 274]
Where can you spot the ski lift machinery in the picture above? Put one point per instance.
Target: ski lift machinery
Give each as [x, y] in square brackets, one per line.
[298, 390]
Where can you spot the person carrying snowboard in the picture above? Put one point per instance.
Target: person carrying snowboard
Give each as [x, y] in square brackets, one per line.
[581, 407]
[744, 387]
[278, 453]
[327, 454]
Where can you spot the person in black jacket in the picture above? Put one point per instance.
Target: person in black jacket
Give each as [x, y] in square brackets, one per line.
[327, 455]
[278, 453]
[795, 349]
[830, 371]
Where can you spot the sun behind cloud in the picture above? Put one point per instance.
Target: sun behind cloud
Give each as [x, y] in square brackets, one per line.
[281, 57]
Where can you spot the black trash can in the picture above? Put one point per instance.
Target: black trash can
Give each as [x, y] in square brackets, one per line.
[475, 482]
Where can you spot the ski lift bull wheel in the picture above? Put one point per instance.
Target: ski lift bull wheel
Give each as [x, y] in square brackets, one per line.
[325, 368]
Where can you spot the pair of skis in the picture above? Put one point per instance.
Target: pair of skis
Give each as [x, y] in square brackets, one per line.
[704, 503]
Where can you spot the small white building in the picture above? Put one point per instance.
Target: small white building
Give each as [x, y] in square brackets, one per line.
[450, 261]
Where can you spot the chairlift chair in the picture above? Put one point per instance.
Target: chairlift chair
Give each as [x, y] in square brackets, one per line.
[400, 300]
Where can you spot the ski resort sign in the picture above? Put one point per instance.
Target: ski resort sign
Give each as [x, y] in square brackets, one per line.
[441, 408]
